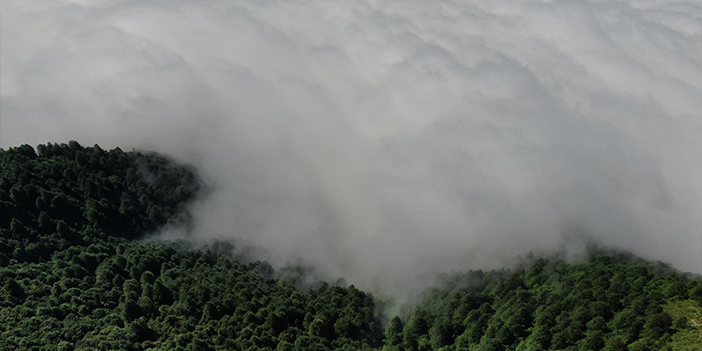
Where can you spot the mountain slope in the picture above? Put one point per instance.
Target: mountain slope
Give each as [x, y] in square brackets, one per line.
[612, 301]
[73, 276]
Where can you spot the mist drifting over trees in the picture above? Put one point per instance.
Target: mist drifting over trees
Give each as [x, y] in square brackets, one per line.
[386, 141]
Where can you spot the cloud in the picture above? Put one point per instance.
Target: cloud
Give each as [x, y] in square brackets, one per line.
[386, 141]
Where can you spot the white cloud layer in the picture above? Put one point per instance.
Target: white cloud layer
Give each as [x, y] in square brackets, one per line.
[386, 141]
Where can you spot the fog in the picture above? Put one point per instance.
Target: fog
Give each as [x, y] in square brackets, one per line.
[386, 141]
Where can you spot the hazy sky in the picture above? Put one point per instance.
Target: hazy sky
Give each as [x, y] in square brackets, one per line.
[386, 141]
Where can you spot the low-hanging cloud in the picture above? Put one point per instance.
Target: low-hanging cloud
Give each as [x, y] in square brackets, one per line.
[386, 141]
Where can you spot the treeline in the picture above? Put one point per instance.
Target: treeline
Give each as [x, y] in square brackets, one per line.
[64, 195]
[74, 277]
[149, 296]
[613, 301]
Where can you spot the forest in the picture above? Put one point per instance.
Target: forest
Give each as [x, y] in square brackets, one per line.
[76, 273]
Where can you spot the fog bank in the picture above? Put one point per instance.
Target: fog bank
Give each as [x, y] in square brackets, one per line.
[386, 141]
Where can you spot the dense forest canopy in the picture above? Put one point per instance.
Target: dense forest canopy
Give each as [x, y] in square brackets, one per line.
[75, 276]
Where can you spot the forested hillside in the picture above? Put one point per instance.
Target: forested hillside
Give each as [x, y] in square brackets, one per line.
[613, 301]
[75, 276]
[72, 276]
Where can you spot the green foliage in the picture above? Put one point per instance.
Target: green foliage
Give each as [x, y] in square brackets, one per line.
[613, 301]
[393, 332]
[73, 277]
[686, 318]
[94, 194]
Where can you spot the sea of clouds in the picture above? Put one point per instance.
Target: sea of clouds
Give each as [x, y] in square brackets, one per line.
[386, 141]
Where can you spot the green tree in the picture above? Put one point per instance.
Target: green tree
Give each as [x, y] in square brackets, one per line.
[394, 332]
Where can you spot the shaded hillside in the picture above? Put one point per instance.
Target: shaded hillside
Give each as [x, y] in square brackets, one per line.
[66, 195]
[71, 276]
